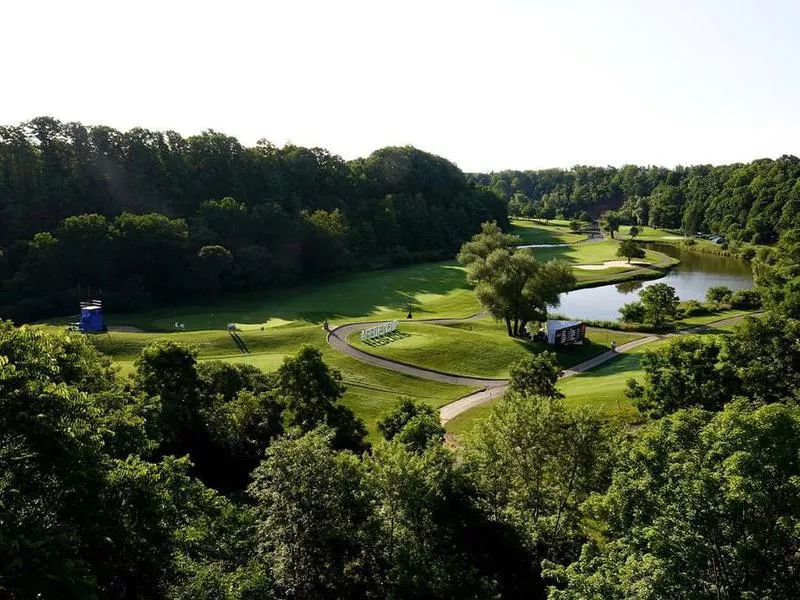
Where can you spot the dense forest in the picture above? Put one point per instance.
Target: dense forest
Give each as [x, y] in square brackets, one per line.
[142, 217]
[752, 202]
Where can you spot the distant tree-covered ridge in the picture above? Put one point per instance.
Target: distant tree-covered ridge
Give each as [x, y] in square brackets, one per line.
[150, 216]
[753, 202]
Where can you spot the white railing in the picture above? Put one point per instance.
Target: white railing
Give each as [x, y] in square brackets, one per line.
[378, 331]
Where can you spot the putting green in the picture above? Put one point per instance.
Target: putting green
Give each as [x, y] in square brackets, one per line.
[478, 348]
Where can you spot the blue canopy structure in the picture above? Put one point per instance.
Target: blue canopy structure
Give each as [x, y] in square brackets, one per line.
[91, 320]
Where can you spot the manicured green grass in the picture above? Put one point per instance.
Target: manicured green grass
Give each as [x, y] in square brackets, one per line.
[604, 386]
[429, 290]
[650, 234]
[274, 325]
[596, 253]
[432, 289]
[466, 421]
[535, 233]
[371, 392]
[479, 348]
[711, 318]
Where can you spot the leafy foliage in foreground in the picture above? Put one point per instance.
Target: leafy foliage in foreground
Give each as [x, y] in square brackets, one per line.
[218, 481]
[702, 506]
[760, 360]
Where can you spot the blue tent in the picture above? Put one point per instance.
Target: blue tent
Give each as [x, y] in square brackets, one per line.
[91, 319]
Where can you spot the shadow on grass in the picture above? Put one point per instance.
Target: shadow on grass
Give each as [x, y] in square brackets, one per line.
[536, 235]
[339, 297]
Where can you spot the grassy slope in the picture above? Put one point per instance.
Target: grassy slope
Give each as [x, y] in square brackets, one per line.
[602, 387]
[371, 392]
[536, 233]
[432, 289]
[479, 348]
[292, 317]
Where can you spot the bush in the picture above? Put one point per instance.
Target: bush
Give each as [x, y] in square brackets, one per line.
[748, 252]
[719, 294]
[746, 299]
[693, 308]
[633, 312]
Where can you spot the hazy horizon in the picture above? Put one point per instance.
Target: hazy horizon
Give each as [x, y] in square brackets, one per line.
[512, 85]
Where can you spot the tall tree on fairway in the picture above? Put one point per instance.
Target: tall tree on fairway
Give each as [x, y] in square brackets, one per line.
[509, 282]
[629, 249]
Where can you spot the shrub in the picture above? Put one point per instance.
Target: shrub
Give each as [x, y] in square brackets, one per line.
[748, 252]
[719, 294]
[746, 299]
[693, 308]
[633, 312]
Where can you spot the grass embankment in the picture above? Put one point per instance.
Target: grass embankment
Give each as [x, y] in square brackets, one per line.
[275, 325]
[531, 232]
[602, 387]
[479, 348]
[371, 391]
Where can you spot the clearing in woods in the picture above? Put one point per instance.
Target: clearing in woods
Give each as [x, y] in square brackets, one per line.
[273, 325]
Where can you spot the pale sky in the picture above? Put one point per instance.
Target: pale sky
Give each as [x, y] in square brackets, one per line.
[489, 85]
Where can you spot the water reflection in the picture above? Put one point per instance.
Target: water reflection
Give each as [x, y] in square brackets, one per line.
[691, 280]
[628, 287]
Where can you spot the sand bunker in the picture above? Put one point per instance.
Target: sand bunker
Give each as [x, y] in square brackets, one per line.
[612, 263]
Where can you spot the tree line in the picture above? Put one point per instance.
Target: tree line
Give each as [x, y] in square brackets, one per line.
[746, 203]
[143, 217]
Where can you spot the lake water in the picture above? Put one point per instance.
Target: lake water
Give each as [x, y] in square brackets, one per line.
[691, 280]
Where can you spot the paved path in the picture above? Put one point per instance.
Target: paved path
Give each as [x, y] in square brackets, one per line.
[490, 389]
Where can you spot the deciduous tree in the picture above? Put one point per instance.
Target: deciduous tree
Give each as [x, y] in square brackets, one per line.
[703, 506]
[629, 249]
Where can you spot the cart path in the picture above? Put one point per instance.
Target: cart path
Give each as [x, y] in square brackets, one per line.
[490, 389]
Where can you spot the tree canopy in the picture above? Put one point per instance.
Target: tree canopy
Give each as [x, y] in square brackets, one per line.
[143, 217]
[510, 282]
[754, 202]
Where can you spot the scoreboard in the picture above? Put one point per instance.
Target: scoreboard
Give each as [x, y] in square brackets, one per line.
[563, 333]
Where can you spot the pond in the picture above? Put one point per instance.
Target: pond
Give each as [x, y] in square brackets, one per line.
[691, 280]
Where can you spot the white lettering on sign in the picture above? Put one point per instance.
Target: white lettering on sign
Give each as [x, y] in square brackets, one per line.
[378, 331]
